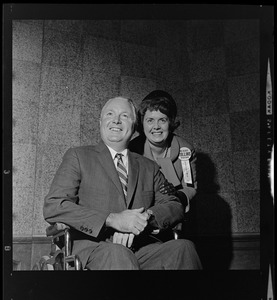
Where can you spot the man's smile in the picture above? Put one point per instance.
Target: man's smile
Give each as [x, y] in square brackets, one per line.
[115, 129]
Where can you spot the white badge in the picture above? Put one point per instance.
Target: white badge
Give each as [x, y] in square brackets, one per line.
[184, 156]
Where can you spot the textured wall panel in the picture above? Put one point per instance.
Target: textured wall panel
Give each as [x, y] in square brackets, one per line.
[109, 29]
[101, 55]
[60, 86]
[209, 98]
[25, 122]
[62, 49]
[204, 34]
[247, 170]
[245, 128]
[239, 30]
[224, 170]
[24, 165]
[242, 57]
[26, 80]
[138, 61]
[136, 88]
[248, 211]
[212, 134]
[23, 206]
[244, 92]
[64, 25]
[49, 157]
[65, 71]
[207, 64]
[141, 32]
[27, 41]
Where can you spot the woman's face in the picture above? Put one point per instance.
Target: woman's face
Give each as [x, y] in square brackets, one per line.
[156, 127]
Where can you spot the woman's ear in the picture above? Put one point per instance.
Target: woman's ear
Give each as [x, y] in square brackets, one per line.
[174, 125]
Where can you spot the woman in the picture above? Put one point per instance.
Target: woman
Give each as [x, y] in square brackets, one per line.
[157, 141]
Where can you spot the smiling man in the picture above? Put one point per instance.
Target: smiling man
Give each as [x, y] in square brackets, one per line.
[117, 121]
[110, 197]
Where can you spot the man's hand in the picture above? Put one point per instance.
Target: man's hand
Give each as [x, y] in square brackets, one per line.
[125, 239]
[128, 221]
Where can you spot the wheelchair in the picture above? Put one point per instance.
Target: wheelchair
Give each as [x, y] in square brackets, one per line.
[60, 257]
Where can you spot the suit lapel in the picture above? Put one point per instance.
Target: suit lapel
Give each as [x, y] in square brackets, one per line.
[107, 163]
[133, 171]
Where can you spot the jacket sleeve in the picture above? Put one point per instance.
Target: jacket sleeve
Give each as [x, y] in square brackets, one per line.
[61, 203]
[167, 210]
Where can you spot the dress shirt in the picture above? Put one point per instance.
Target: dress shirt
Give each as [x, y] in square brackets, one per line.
[124, 157]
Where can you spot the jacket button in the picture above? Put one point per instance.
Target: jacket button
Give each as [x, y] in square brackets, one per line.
[86, 229]
[166, 224]
[82, 227]
[90, 231]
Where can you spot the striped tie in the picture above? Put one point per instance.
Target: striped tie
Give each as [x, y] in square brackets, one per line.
[122, 172]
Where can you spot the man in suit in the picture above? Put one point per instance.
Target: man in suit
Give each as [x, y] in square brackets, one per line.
[113, 202]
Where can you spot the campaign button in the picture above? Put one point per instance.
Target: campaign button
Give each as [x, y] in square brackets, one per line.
[185, 153]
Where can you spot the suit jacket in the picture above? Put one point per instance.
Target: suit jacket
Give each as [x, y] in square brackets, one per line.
[140, 146]
[86, 189]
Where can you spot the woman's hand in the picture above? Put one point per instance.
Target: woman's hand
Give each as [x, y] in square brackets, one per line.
[167, 188]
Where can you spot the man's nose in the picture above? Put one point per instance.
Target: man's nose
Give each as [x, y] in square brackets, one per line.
[117, 119]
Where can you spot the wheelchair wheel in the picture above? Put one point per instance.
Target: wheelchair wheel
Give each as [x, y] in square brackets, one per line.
[43, 264]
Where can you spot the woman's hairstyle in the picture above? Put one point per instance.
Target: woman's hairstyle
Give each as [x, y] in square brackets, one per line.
[162, 101]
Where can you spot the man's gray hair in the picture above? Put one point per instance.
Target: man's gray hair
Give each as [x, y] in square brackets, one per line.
[131, 102]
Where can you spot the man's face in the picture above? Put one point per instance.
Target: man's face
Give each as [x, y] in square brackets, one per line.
[156, 127]
[117, 123]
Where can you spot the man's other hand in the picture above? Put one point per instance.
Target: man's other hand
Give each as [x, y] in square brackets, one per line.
[128, 221]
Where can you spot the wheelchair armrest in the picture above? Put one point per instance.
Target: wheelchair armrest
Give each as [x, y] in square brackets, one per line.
[177, 230]
[178, 227]
[61, 241]
[56, 228]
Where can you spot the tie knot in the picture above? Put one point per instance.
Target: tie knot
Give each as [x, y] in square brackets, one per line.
[119, 156]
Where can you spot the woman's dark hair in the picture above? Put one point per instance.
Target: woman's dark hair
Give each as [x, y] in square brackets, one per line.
[162, 101]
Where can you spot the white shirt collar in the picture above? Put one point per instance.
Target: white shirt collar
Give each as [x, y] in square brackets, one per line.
[113, 152]
[124, 157]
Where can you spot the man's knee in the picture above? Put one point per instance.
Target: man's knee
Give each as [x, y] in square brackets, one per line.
[113, 257]
[182, 244]
[178, 244]
[183, 255]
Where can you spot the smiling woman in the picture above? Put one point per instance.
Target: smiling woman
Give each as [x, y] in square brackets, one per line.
[157, 141]
[156, 129]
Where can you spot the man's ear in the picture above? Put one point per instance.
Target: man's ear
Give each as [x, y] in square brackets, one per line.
[134, 135]
[135, 127]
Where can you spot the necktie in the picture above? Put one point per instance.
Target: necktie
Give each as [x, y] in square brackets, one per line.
[122, 172]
